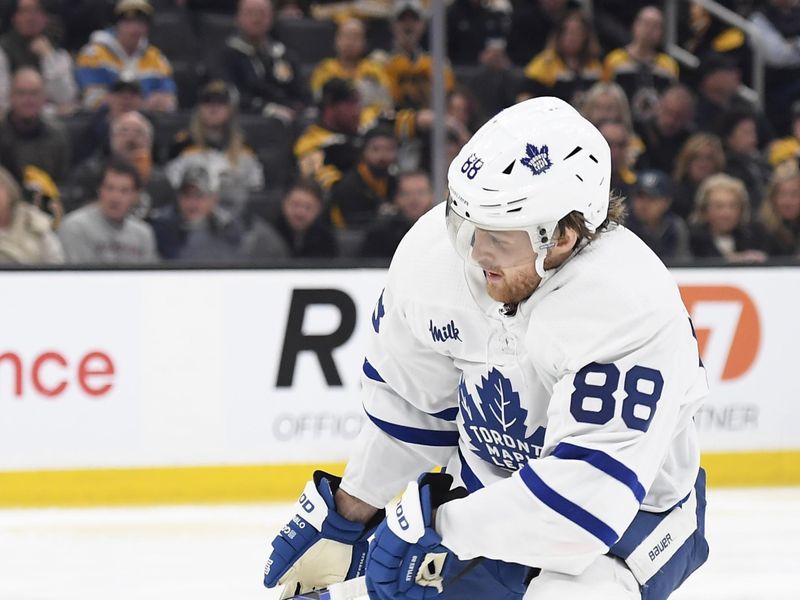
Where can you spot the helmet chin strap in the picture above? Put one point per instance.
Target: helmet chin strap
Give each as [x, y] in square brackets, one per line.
[539, 264]
[542, 238]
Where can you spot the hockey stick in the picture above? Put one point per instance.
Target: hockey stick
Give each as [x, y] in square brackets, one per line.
[356, 589]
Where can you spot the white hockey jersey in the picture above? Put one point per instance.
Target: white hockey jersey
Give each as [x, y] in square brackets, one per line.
[563, 420]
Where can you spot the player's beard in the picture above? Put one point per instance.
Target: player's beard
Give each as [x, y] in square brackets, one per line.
[515, 284]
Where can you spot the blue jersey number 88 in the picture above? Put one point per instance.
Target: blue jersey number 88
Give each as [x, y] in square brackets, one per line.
[604, 392]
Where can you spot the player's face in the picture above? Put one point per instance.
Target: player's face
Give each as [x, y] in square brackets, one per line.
[507, 259]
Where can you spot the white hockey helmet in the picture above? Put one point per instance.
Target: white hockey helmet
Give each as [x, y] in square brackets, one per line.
[526, 169]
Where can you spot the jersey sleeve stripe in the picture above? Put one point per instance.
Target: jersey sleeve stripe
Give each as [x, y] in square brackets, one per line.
[371, 372]
[566, 508]
[414, 435]
[468, 476]
[448, 414]
[603, 462]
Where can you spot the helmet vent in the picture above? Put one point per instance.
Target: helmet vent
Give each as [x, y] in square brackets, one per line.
[513, 210]
[573, 153]
[593, 158]
[509, 168]
[578, 176]
[490, 205]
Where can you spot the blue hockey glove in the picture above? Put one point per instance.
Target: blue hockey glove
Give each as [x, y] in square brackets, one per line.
[406, 558]
[318, 546]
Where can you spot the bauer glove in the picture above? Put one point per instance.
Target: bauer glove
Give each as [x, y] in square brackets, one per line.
[318, 546]
[406, 558]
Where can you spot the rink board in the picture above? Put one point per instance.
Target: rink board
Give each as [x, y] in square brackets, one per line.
[173, 386]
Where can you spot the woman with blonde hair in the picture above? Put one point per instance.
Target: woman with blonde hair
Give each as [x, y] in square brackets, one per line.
[700, 157]
[780, 211]
[26, 234]
[720, 223]
[215, 142]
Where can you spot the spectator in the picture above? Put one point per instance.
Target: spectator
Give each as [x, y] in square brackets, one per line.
[39, 189]
[365, 191]
[27, 45]
[215, 141]
[413, 198]
[329, 148]
[368, 75]
[26, 233]
[700, 157]
[569, 65]
[196, 228]
[131, 139]
[780, 212]
[532, 22]
[618, 136]
[300, 223]
[777, 34]
[642, 70]
[664, 232]
[707, 34]
[737, 129]
[613, 20]
[27, 134]
[470, 25]
[494, 83]
[606, 102]
[719, 224]
[787, 149]
[105, 231]
[410, 69]
[124, 95]
[718, 88]
[265, 73]
[667, 130]
[124, 51]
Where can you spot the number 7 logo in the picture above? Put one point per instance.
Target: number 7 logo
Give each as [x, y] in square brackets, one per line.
[727, 326]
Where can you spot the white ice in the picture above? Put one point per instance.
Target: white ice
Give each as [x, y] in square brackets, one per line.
[216, 552]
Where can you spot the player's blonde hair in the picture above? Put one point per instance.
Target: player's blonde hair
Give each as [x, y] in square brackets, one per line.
[576, 221]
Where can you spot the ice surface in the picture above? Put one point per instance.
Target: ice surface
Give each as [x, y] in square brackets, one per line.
[215, 552]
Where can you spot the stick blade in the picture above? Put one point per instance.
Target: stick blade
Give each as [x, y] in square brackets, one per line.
[354, 589]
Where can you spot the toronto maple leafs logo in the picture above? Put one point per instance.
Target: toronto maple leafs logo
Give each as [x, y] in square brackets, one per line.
[378, 313]
[496, 425]
[537, 159]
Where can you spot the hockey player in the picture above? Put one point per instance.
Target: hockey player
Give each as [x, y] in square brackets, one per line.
[540, 351]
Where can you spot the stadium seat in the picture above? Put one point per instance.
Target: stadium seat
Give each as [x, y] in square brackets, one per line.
[75, 125]
[350, 242]
[173, 34]
[188, 75]
[309, 39]
[263, 204]
[214, 29]
[166, 125]
[271, 139]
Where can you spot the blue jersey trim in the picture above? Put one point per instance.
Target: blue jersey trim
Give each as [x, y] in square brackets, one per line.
[566, 508]
[413, 435]
[448, 414]
[603, 462]
[471, 481]
[371, 372]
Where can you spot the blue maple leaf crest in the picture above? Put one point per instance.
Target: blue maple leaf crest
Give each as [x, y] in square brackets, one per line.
[378, 313]
[537, 159]
[496, 425]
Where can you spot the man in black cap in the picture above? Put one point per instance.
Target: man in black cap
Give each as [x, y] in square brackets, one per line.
[124, 51]
[331, 146]
[195, 228]
[650, 219]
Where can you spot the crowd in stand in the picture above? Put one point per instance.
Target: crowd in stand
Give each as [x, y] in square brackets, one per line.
[226, 131]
